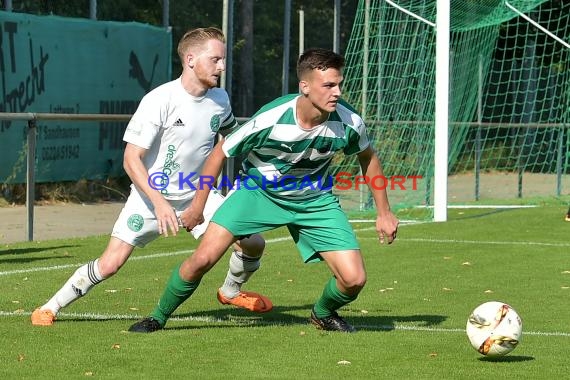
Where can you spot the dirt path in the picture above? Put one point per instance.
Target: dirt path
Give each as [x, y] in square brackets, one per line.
[58, 221]
[76, 220]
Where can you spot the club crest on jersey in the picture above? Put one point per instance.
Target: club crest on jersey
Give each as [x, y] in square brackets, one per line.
[215, 123]
[135, 222]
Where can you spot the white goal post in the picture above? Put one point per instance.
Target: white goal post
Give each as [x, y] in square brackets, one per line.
[442, 26]
[442, 30]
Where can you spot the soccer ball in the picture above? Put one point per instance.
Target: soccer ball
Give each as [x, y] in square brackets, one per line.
[494, 329]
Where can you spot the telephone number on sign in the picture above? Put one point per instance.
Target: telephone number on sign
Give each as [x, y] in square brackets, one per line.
[61, 152]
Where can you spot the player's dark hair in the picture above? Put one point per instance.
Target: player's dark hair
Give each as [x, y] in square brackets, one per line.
[318, 59]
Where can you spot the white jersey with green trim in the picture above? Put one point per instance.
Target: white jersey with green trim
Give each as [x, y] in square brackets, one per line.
[179, 131]
[290, 162]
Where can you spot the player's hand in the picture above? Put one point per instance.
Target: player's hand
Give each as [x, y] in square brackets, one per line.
[387, 227]
[190, 218]
[166, 218]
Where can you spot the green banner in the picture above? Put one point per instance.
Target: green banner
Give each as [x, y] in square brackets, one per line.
[66, 65]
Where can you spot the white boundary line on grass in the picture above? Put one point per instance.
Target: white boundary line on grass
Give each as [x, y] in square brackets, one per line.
[206, 319]
[276, 240]
[259, 322]
[453, 241]
[132, 258]
[484, 206]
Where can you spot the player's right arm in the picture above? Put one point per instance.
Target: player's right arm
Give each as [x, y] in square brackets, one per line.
[137, 172]
[386, 221]
[213, 165]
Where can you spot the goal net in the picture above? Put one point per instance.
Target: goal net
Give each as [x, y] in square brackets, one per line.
[509, 100]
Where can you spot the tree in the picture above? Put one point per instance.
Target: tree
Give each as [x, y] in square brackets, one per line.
[259, 43]
[244, 48]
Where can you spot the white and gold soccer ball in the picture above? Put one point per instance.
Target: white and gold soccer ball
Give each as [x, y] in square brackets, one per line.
[494, 328]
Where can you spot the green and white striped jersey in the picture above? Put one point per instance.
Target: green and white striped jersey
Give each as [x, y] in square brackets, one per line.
[287, 161]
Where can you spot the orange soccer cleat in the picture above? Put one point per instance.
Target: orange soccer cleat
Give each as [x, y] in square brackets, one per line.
[248, 300]
[42, 317]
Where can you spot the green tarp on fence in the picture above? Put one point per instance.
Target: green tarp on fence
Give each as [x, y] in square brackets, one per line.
[68, 65]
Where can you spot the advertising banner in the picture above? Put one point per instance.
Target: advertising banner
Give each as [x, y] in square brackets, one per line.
[51, 64]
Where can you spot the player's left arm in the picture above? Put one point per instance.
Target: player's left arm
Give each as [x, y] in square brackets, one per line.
[386, 221]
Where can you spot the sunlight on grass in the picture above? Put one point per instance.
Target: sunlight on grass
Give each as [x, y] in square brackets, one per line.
[411, 315]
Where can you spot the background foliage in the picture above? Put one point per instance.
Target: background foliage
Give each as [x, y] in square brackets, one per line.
[268, 19]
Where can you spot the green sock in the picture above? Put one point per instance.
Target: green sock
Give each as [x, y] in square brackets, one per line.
[176, 292]
[331, 300]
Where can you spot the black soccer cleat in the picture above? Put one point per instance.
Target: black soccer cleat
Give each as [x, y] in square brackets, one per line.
[331, 323]
[146, 325]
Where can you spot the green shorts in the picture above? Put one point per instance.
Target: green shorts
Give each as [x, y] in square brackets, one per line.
[316, 226]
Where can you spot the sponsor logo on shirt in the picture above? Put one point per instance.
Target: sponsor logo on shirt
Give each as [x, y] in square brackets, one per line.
[178, 123]
[170, 167]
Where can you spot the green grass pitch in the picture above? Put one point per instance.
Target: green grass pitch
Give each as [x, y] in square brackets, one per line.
[411, 315]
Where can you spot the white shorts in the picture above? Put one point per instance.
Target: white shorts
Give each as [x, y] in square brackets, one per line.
[137, 225]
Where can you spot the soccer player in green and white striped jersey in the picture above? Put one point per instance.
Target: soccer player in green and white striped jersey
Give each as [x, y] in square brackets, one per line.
[290, 144]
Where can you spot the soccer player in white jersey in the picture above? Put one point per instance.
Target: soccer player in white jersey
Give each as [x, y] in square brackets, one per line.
[172, 132]
[289, 145]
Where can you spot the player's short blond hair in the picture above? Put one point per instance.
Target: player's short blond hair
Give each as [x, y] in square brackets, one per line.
[197, 37]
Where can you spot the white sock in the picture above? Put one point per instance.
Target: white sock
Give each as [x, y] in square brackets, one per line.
[242, 267]
[84, 278]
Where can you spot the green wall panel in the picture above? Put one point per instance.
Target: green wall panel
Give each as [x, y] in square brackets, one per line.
[51, 64]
